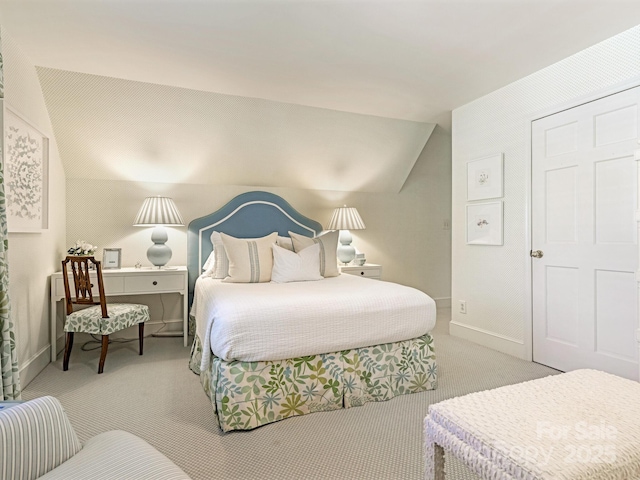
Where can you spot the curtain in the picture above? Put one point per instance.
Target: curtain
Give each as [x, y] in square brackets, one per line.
[8, 356]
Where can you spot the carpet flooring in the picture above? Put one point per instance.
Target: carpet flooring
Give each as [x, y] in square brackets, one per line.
[156, 397]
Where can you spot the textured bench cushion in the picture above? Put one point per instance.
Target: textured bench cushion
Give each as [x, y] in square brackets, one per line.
[582, 425]
[35, 437]
[117, 455]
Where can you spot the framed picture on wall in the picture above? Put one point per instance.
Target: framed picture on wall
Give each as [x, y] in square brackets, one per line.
[111, 257]
[484, 178]
[26, 175]
[484, 223]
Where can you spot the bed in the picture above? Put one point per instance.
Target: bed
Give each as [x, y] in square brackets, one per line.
[267, 351]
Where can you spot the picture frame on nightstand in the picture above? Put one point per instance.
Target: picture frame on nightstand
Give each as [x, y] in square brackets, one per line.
[111, 258]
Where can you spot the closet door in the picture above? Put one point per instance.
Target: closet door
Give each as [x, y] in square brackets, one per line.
[584, 236]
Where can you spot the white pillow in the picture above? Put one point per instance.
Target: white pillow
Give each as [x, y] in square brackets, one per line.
[328, 250]
[250, 259]
[296, 267]
[210, 264]
[221, 265]
[285, 242]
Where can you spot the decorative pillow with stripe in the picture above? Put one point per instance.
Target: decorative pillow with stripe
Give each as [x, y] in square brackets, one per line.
[250, 259]
[285, 242]
[328, 250]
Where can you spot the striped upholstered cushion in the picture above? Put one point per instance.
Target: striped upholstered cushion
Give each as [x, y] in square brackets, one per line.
[35, 437]
[117, 455]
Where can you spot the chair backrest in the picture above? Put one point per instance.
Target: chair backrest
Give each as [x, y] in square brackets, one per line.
[82, 283]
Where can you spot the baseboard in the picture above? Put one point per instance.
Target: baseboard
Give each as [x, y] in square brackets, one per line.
[443, 302]
[33, 366]
[492, 340]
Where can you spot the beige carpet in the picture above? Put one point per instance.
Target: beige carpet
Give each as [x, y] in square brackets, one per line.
[156, 397]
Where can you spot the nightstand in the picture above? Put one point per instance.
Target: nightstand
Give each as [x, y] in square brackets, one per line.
[125, 282]
[368, 270]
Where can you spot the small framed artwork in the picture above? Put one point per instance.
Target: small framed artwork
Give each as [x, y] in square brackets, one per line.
[26, 175]
[484, 178]
[484, 223]
[111, 257]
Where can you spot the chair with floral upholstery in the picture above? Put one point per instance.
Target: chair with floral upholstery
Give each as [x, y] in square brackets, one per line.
[99, 318]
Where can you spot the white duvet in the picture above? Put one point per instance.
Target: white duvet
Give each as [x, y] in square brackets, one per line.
[271, 321]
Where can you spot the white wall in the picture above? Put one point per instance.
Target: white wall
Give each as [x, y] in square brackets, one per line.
[33, 257]
[404, 231]
[493, 280]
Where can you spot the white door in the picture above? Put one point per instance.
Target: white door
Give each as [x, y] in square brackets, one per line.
[584, 198]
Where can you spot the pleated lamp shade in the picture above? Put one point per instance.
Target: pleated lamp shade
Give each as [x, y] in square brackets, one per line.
[346, 218]
[158, 211]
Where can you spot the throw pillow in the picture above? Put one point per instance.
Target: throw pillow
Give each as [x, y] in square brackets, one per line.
[221, 264]
[328, 250]
[296, 267]
[250, 259]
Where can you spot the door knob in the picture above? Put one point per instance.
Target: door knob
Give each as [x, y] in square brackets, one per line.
[536, 253]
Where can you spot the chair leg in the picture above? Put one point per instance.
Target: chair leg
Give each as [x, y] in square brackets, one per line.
[141, 335]
[103, 353]
[67, 351]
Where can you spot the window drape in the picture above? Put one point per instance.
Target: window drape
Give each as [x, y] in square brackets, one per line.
[10, 387]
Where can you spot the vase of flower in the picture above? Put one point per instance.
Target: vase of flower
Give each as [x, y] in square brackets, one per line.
[82, 249]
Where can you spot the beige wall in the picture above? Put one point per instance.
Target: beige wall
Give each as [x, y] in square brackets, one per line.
[33, 257]
[404, 231]
[493, 280]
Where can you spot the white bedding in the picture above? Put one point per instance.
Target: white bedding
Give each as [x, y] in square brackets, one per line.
[269, 321]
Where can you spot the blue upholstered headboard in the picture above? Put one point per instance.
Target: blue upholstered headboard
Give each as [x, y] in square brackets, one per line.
[249, 215]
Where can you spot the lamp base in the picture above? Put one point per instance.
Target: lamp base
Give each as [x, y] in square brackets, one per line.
[346, 253]
[159, 253]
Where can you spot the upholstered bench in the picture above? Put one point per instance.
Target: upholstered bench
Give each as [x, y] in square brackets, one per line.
[38, 441]
[582, 425]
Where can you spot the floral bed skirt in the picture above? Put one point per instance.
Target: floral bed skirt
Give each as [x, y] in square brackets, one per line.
[246, 395]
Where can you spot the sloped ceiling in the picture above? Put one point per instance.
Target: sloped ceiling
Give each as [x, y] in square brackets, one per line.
[250, 91]
[109, 128]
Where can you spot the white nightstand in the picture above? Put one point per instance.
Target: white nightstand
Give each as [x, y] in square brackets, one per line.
[368, 270]
[127, 281]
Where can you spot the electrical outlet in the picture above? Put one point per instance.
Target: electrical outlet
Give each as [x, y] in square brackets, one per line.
[463, 306]
[446, 225]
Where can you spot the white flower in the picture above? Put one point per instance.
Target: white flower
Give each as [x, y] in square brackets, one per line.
[82, 248]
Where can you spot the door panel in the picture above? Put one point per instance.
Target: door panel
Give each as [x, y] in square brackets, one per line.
[584, 199]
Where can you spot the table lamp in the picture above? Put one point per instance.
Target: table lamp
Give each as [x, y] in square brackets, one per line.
[345, 219]
[158, 212]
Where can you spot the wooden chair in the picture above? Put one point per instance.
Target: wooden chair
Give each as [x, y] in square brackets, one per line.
[100, 318]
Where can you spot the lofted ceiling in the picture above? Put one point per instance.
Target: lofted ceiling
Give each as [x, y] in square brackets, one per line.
[408, 61]
[141, 131]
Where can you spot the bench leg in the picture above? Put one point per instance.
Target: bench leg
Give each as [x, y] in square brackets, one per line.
[434, 461]
[438, 462]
